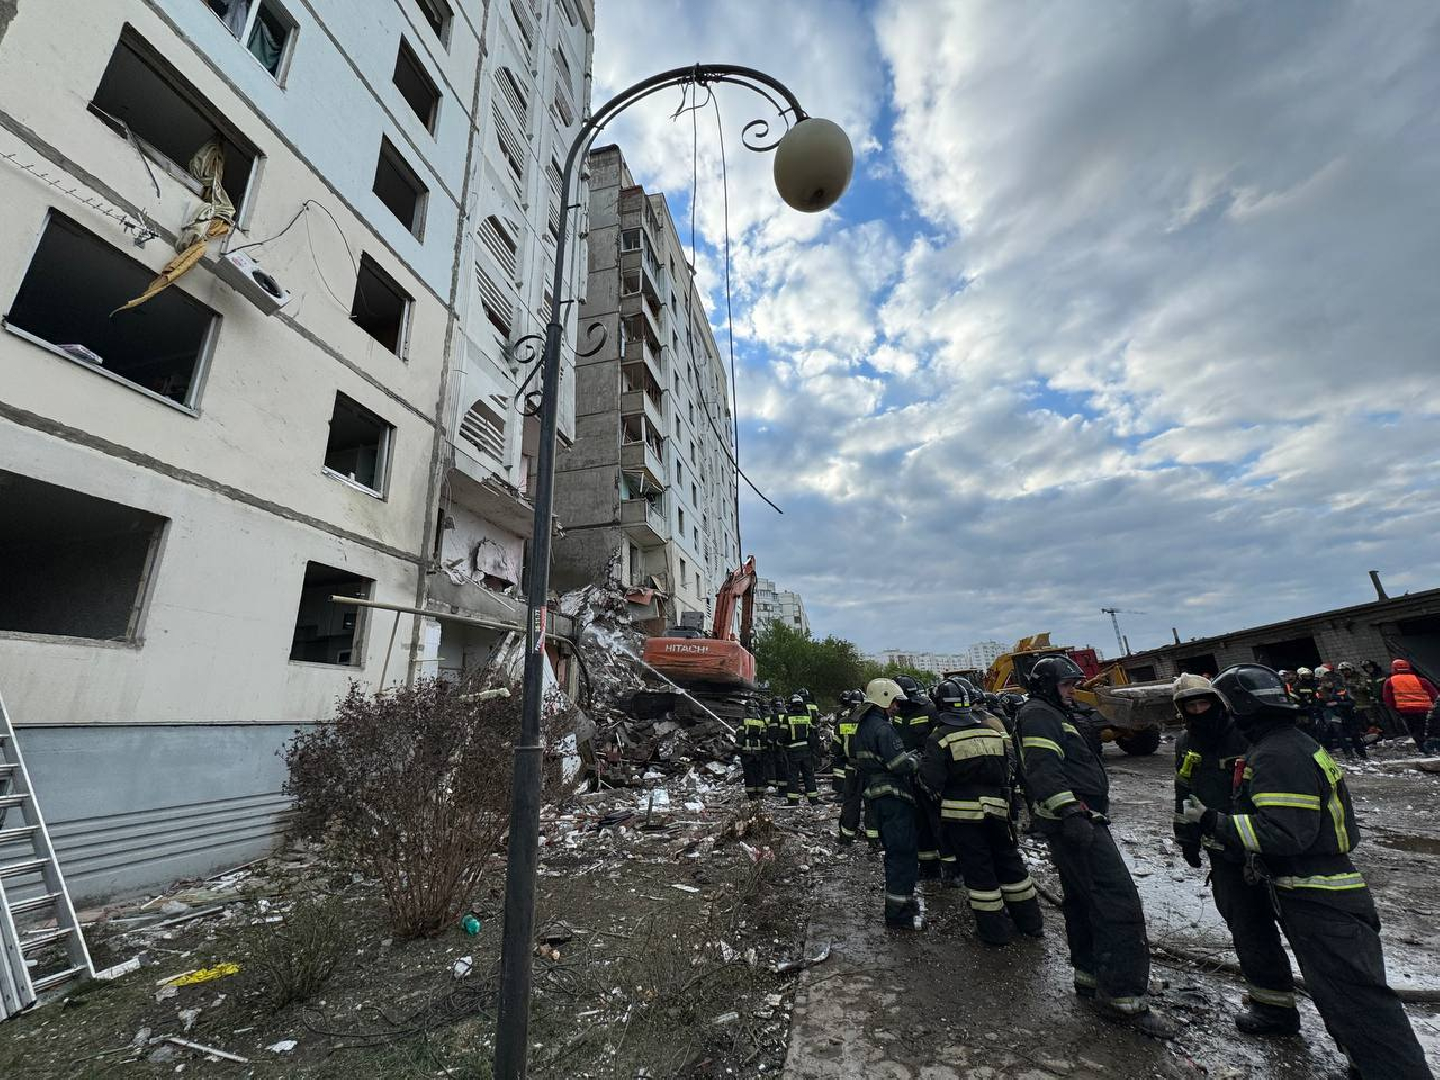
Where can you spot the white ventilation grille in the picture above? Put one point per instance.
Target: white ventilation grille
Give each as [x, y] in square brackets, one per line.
[484, 428]
[498, 241]
[497, 307]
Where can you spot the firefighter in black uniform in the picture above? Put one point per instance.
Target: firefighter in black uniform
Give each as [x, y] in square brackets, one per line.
[846, 721]
[1294, 823]
[885, 769]
[754, 743]
[914, 717]
[1205, 756]
[779, 757]
[1069, 798]
[800, 753]
[966, 762]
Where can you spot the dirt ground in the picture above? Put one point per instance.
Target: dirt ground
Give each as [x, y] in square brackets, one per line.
[659, 937]
[939, 1004]
[667, 926]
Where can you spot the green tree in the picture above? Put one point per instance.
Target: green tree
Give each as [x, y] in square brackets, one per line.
[788, 658]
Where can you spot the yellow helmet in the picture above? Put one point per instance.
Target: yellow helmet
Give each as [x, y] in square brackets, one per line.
[883, 692]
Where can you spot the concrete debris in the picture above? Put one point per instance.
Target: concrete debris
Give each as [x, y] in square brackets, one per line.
[463, 967]
[790, 967]
[188, 1017]
[133, 964]
[208, 1051]
[284, 1046]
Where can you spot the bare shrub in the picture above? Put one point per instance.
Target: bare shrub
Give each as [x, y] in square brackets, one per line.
[410, 786]
[290, 961]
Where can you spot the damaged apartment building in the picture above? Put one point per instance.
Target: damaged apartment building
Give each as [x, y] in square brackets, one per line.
[268, 267]
[647, 493]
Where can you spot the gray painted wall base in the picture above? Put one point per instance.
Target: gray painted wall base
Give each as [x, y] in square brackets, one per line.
[133, 807]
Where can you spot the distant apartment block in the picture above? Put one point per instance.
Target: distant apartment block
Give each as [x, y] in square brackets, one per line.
[783, 605]
[646, 495]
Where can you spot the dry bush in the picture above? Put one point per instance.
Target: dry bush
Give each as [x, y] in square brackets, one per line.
[290, 961]
[410, 786]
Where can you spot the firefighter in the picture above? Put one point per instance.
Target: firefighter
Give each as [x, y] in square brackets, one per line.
[754, 741]
[1304, 690]
[779, 757]
[1069, 797]
[1206, 753]
[799, 739]
[1294, 822]
[840, 759]
[966, 762]
[914, 717]
[1345, 726]
[1411, 696]
[885, 769]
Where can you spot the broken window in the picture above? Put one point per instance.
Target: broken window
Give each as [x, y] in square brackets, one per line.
[438, 14]
[327, 632]
[72, 565]
[359, 444]
[416, 86]
[262, 25]
[75, 282]
[683, 569]
[147, 101]
[630, 240]
[630, 283]
[381, 308]
[680, 510]
[400, 189]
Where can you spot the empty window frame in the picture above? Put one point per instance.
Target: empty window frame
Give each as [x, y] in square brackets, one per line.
[381, 307]
[146, 100]
[263, 27]
[630, 283]
[72, 565]
[630, 240]
[416, 86]
[358, 447]
[327, 632]
[65, 302]
[683, 573]
[400, 189]
[438, 14]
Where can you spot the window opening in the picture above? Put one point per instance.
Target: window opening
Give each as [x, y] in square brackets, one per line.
[400, 189]
[72, 565]
[630, 283]
[143, 98]
[438, 14]
[630, 240]
[358, 447]
[327, 632]
[416, 86]
[75, 282]
[381, 307]
[263, 26]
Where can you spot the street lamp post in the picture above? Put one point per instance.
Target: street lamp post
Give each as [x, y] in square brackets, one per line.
[813, 161]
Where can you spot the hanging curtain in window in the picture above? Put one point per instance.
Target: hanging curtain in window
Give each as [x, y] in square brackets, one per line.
[232, 13]
[266, 42]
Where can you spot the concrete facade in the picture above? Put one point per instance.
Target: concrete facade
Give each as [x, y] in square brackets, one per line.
[281, 457]
[784, 605]
[1405, 627]
[647, 492]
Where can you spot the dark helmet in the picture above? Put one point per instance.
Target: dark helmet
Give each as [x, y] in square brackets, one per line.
[910, 686]
[952, 694]
[1254, 692]
[796, 699]
[1047, 675]
[777, 702]
[803, 695]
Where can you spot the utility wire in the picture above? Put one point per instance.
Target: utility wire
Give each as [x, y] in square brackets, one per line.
[729, 316]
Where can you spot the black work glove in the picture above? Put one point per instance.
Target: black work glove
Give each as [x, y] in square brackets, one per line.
[1077, 831]
[1191, 854]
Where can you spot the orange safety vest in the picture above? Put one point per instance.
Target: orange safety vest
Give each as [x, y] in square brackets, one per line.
[1410, 696]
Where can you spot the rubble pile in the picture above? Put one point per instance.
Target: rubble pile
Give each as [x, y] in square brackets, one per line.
[630, 737]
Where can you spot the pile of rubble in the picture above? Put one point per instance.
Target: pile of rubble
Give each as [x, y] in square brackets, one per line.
[620, 696]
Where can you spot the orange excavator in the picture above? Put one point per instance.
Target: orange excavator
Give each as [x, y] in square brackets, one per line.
[716, 670]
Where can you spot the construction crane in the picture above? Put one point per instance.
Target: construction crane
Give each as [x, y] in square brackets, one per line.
[1112, 612]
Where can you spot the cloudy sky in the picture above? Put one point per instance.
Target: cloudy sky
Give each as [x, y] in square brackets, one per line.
[1130, 304]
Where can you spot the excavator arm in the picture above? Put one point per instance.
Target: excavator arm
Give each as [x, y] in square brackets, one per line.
[739, 586]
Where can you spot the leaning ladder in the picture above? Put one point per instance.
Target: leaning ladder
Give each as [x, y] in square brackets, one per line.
[46, 936]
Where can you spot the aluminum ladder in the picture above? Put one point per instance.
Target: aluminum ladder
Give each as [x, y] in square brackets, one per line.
[41, 943]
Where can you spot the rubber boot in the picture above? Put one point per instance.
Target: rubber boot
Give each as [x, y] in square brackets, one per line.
[904, 916]
[1027, 917]
[1148, 1023]
[1268, 1021]
[994, 928]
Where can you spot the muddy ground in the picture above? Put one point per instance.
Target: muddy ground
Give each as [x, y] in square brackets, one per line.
[666, 928]
[940, 1005]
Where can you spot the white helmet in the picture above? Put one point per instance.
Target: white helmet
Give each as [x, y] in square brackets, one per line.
[883, 692]
[1304, 671]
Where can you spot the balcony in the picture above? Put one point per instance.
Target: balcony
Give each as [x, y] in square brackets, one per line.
[633, 305]
[642, 394]
[642, 450]
[644, 521]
